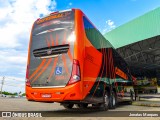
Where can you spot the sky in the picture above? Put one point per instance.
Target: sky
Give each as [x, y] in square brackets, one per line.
[17, 17]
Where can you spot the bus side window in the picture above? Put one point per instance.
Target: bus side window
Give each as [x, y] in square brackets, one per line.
[94, 36]
[121, 64]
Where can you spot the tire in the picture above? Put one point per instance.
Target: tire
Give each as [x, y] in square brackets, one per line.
[105, 104]
[112, 101]
[68, 105]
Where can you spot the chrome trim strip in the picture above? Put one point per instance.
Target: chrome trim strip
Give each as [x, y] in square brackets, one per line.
[50, 87]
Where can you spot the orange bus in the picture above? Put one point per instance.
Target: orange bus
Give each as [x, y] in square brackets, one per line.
[70, 62]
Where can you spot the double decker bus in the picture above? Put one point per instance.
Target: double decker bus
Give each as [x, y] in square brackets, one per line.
[70, 62]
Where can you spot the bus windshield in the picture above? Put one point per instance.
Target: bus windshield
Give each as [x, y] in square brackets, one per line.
[51, 50]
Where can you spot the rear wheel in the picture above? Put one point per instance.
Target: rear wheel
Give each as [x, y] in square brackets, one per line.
[112, 101]
[68, 105]
[105, 104]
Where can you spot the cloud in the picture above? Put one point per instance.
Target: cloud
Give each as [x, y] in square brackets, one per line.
[16, 19]
[52, 5]
[13, 56]
[110, 23]
[108, 26]
[13, 62]
[70, 3]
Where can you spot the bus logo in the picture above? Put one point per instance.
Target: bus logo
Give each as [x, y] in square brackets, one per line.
[58, 71]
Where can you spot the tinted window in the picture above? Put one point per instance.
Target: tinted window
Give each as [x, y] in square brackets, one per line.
[94, 36]
[121, 64]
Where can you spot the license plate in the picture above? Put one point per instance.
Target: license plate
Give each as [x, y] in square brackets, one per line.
[46, 95]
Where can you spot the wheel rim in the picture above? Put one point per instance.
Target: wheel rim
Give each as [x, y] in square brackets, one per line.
[114, 100]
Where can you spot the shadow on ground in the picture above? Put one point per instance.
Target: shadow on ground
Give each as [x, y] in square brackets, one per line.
[88, 112]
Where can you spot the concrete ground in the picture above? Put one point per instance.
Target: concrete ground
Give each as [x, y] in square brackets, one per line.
[150, 100]
[58, 112]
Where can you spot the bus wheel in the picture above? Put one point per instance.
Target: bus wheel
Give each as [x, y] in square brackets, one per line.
[105, 104]
[112, 101]
[82, 105]
[68, 105]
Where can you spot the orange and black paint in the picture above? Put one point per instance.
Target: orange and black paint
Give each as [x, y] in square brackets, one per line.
[97, 65]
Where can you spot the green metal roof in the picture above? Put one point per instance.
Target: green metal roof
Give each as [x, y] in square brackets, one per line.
[143, 27]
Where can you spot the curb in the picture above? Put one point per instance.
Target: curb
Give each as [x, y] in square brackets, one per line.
[146, 103]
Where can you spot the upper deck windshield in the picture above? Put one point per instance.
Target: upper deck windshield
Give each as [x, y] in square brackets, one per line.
[51, 50]
[55, 22]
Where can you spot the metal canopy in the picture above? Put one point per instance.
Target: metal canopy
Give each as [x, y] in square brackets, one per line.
[143, 56]
[138, 42]
[138, 29]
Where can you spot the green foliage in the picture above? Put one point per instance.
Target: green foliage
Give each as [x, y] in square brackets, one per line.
[8, 93]
[24, 94]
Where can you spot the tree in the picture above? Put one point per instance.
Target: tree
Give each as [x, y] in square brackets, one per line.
[24, 94]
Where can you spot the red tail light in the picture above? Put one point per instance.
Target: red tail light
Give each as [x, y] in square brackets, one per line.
[27, 77]
[75, 77]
